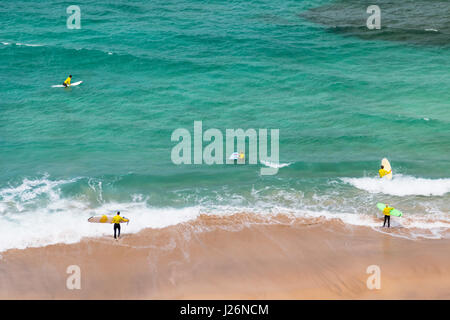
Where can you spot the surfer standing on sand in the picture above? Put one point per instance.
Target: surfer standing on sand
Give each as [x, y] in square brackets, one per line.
[387, 215]
[67, 82]
[117, 219]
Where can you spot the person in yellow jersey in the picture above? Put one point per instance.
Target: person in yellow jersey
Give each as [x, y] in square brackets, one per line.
[117, 219]
[382, 172]
[387, 215]
[67, 82]
[241, 156]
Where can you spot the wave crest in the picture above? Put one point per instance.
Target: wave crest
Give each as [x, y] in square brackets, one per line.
[402, 185]
[275, 165]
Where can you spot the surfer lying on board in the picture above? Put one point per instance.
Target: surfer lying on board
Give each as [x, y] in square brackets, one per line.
[67, 82]
[387, 215]
[117, 219]
[382, 172]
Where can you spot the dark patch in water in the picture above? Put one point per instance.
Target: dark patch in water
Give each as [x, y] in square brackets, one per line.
[422, 22]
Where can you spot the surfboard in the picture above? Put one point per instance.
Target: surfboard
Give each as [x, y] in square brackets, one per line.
[104, 219]
[234, 156]
[387, 167]
[395, 212]
[61, 86]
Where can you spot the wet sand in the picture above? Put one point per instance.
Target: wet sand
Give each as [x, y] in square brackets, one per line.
[236, 257]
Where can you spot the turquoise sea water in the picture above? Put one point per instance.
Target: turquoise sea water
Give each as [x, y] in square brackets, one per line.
[343, 97]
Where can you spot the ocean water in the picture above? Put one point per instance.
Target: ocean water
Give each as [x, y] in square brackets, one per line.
[342, 97]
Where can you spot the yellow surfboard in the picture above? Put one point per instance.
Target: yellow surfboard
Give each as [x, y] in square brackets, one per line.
[104, 219]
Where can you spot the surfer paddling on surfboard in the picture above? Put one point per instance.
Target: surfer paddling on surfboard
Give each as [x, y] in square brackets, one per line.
[67, 82]
[117, 219]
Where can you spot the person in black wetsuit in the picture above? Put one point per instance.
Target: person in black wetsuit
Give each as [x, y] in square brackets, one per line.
[117, 219]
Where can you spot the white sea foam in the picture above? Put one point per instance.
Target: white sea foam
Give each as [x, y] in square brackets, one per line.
[49, 226]
[29, 44]
[402, 185]
[30, 189]
[275, 165]
[34, 213]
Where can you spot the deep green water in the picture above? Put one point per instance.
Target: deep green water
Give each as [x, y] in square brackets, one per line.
[342, 97]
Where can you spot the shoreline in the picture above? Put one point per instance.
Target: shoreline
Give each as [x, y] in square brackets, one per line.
[234, 257]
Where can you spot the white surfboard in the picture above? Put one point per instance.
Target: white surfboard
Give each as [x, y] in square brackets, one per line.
[387, 167]
[104, 219]
[234, 156]
[71, 85]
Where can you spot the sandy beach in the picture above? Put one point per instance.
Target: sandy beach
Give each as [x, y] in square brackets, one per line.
[235, 257]
[254, 148]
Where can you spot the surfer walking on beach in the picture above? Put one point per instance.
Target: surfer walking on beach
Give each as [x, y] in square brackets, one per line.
[117, 219]
[387, 215]
[67, 82]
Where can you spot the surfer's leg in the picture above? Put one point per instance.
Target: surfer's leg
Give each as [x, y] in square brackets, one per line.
[389, 221]
[116, 227]
[384, 223]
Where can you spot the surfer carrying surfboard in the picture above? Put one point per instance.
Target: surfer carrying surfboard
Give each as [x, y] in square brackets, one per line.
[383, 172]
[67, 82]
[387, 215]
[117, 219]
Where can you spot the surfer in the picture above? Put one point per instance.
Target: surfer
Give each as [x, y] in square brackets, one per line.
[241, 156]
[387, 215]
[117, 219]
[67, 82]
[382, 172]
